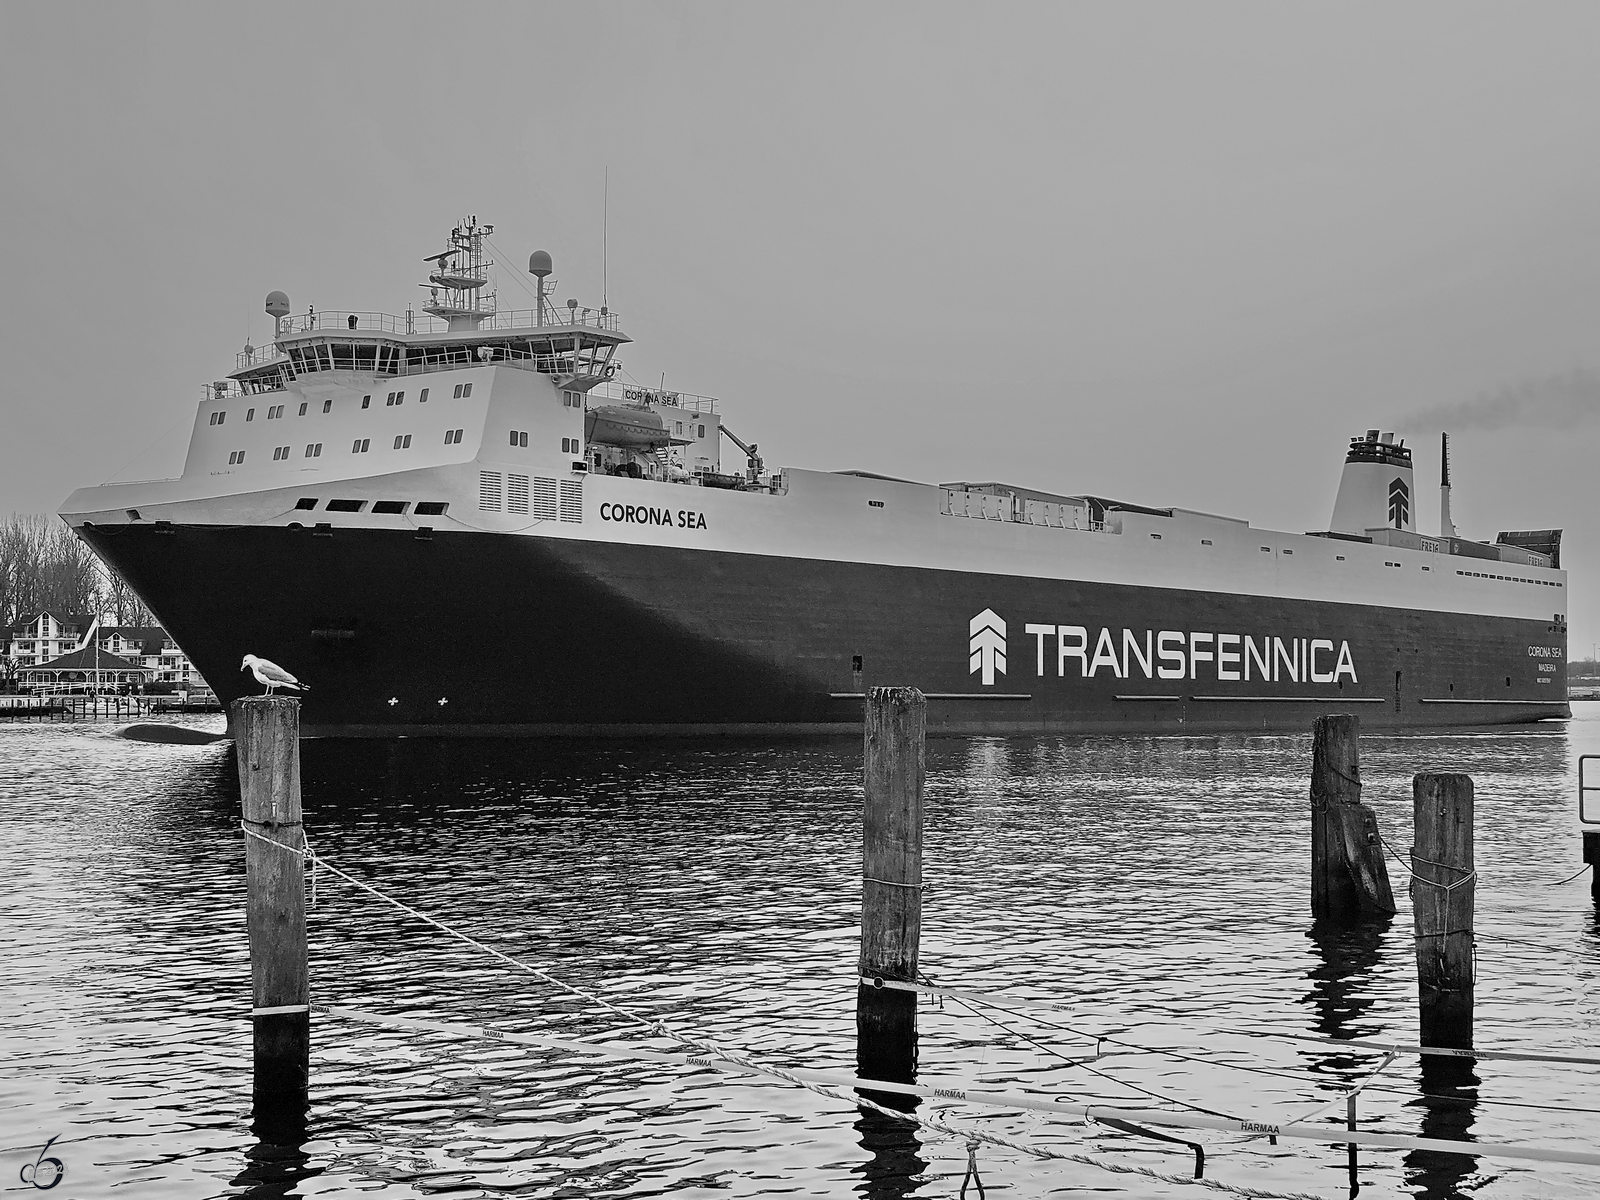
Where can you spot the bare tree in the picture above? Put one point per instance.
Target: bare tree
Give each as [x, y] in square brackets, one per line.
[122, 602]
[44, 565]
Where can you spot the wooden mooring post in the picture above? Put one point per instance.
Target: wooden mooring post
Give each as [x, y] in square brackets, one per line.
[267, 738]
[1349, 880]
[1442, 894]
[891, 886]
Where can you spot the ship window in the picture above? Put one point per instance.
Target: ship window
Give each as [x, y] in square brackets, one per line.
[1427, 568]
[316, 450]
[345, 505]
[466, 391]
[249, 414]
[1156, 537]
[389, 401]
[1288, 551]
[390, 506]
[1205, 541]
[1339, 557]
[458, 392]
[327, 406]
[422, 397]
[359, 446]
[366, 402]
[1266, 549]
[302, 410]
[399, 399]
[522, 439]
[879, 504]
[702, 431]
[677, 426]
[431, 508]
[306, 503]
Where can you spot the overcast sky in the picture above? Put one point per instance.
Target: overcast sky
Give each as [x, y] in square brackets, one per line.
[1169, 253]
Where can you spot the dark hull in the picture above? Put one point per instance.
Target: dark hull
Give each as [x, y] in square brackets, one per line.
[525, 635]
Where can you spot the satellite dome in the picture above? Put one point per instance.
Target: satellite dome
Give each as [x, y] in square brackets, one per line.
[539, 263]
[277, 304]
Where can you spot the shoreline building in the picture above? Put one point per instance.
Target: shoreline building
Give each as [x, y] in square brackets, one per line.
[45, 640]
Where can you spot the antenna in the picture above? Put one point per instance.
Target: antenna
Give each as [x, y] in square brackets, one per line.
[605, 241]
[1447, 525]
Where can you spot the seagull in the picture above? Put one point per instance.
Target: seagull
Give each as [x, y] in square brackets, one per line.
[271, 674]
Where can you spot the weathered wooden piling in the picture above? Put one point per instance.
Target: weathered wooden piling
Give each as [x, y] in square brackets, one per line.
[891, 887]
[1442, 893]
[267, 738]
[1349, 880]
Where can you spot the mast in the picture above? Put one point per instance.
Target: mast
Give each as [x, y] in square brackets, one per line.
[1447, 527]
[461, 272]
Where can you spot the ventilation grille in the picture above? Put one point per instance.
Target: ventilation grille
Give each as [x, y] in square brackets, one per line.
[572, 500]
[544, 499]
[516, 493]
[489, 491]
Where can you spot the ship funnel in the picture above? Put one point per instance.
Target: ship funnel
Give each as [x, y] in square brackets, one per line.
[1375, 491]
[1447, 527]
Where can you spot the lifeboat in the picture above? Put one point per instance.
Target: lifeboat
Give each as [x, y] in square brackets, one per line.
[625, 425]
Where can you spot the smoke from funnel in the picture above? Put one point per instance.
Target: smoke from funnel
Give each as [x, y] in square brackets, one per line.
[1554, 402]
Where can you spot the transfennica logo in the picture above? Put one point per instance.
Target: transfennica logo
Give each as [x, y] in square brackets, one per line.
[1399, 503]
[988, 645]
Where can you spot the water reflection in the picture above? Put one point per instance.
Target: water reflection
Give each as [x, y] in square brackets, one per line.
[274, 1170]
[1342, 996]
[1448, 1109]
[894, 1166]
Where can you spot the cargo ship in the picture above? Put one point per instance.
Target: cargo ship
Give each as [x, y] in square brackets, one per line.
[468, 521]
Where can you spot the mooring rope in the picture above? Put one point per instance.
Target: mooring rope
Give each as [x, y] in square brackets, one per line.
[712, 1049]
[814, 1084]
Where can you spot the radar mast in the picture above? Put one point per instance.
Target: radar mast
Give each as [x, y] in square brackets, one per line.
[460, 273]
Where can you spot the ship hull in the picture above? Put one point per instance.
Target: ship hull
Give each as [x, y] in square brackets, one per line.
[480, 634]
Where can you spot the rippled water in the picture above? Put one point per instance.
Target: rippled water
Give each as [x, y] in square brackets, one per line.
[1159, 884]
